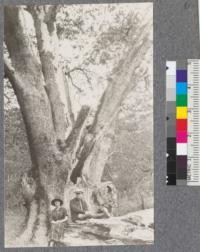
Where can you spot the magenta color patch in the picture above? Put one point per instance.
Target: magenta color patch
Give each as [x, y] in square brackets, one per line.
[181, 137]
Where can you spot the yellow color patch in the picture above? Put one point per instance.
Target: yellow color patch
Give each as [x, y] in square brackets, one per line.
[181, 112]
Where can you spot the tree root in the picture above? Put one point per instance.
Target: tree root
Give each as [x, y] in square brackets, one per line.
[27, 233]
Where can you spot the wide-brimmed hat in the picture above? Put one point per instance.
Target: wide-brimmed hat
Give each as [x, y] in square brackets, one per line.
[78, 191]
[56, 199]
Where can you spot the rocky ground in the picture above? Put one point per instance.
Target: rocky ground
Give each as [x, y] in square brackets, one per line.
[130, 229]
[135, 228]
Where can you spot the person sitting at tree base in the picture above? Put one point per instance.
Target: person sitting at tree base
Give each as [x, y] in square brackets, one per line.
[58, 218]
[79, 207]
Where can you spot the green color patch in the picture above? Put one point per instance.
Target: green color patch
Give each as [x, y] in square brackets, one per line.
[181, 100]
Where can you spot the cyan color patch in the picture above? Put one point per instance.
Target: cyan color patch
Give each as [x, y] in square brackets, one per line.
[181, 88]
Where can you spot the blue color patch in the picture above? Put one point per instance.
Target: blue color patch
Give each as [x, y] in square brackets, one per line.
[181, 88]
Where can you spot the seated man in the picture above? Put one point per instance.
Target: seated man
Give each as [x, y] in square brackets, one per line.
[79, 207]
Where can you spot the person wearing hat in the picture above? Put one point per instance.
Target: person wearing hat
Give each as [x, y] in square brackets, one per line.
[58, 218]
[79, 207]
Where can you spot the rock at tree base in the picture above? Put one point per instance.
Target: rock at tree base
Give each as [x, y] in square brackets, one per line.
[129, 229]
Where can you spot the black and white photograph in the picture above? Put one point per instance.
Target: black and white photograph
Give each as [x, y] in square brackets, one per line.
[78, 122]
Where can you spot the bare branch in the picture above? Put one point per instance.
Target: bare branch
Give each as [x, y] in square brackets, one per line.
[84, 72]
[78, 88]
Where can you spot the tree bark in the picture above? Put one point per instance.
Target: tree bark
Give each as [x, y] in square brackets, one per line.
[50, 165]
[55, 82]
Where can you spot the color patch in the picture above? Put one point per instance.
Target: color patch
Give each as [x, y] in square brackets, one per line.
[171, 178]
[181, 136]
[181, 125]
[171, 155]
[181, 100]
[171, 94]
[171, 166]
[171, 143]
[181, 149]
[181, 88]
[171, 68]
[181, 75]
[181, 112]
[181, 165]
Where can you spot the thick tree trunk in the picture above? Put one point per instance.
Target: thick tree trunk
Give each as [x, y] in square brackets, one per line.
[55, 82]
[124, 79]
[95, 163]
[50, 165]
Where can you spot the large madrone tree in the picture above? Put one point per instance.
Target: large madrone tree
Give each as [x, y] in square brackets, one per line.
[64, 149]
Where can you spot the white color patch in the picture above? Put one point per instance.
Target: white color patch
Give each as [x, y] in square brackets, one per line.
[171, 68]
[181, 149]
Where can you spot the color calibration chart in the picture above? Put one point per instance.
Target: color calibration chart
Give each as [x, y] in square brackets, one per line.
[183, 122]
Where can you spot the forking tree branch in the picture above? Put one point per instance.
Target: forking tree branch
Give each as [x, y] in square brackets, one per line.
[47, 42]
